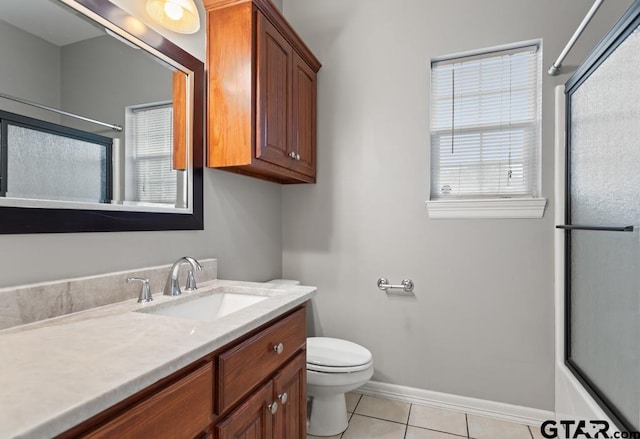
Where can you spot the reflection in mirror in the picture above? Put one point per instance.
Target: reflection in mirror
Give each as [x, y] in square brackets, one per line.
[90, 121]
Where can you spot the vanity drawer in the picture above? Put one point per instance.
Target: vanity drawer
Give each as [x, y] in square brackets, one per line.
[243, 367]
[183, 409]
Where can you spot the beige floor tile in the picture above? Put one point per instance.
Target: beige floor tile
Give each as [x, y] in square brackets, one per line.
[337, 436]
[352, 401]
[421, 433]
[487, 428]
[535, 432]
[438, 419]
[387, 409]
[363, 427]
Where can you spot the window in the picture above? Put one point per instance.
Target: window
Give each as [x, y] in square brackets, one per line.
[150, 132]
[485, 132]
[47, 161]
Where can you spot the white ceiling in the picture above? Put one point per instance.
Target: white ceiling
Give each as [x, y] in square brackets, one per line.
[47, 19]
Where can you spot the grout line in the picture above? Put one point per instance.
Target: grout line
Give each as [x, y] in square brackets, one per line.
[351, 414]
[433, 429]
[448, 433]
[357, 403]
[380, 419]
[406, 427]
[466, 420]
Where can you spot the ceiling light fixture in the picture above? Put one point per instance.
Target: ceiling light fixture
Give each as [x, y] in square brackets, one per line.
[176, 15]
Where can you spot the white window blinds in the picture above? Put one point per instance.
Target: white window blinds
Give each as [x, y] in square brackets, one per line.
[152, 129]
[485, 125]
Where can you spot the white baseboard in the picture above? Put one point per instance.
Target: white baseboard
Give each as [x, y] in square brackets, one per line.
[474, 406]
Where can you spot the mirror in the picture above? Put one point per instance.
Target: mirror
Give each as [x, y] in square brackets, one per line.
[101, 122]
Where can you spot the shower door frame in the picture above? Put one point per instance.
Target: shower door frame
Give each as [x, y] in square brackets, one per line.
[616, 36]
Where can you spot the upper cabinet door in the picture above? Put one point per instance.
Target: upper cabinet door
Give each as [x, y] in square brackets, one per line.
[304, 117]
[273, 129]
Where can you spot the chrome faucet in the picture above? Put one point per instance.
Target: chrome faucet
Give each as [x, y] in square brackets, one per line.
[172, 288]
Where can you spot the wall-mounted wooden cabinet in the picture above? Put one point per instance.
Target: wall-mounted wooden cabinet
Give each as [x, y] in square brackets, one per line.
[262, 93]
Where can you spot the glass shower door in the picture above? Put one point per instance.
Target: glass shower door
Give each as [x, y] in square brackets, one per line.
[602, 241]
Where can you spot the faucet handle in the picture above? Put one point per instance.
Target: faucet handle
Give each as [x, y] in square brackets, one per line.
[145, 292]
[191, 282]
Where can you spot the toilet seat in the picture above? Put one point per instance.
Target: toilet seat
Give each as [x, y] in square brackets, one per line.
[332, 355]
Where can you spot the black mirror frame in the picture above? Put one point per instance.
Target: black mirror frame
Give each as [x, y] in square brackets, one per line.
[21, 220]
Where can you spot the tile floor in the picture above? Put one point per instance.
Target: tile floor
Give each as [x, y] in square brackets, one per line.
[379, 418]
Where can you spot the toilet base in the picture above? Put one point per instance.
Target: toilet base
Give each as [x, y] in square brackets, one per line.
[328, 415]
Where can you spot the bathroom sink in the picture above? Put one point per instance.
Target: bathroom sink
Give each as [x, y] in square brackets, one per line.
[206, 308]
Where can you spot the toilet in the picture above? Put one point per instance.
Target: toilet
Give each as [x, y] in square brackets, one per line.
[334, 367]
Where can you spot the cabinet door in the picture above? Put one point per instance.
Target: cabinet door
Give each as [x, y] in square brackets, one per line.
[273, 127]
[304, 117]
[290, 393]
[252, 420]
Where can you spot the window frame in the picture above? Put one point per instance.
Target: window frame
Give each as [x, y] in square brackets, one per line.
[510, 206]
[134, 148]
[12, 119]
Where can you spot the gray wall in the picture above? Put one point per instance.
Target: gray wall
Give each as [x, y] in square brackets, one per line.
[30, 69]
[481, 323]
[242, 229]
[102, 76]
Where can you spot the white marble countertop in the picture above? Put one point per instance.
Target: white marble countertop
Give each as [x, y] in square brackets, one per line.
[57, 373]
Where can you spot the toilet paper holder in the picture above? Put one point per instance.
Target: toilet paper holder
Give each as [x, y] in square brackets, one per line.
[406, 285]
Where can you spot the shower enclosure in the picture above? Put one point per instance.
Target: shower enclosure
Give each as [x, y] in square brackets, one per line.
[601, 219]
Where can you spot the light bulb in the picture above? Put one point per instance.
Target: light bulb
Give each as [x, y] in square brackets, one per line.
[173, 10]
[175, 15]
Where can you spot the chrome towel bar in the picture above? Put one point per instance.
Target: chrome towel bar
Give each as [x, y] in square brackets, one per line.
[384, 285]
[114, 127]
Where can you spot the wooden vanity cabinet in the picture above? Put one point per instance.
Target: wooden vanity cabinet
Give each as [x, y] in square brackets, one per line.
[242, 367]
[262, 93]
[275, 410]
[181, 409]
[278, 408]
[253, 388]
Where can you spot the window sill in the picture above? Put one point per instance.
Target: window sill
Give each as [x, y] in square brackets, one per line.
[494, 208]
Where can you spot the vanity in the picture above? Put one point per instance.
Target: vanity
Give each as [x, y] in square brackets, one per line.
[132, 370]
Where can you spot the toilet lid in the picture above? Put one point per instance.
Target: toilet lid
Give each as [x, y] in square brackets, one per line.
[332, 354]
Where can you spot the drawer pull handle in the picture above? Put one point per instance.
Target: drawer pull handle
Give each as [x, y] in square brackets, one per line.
[273, 407]
[279, 348]
[283, 397]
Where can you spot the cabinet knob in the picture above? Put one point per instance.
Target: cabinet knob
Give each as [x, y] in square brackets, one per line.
[273, 407]
[297, 156]
[279, 348]
[292, 155]
[283, 397]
